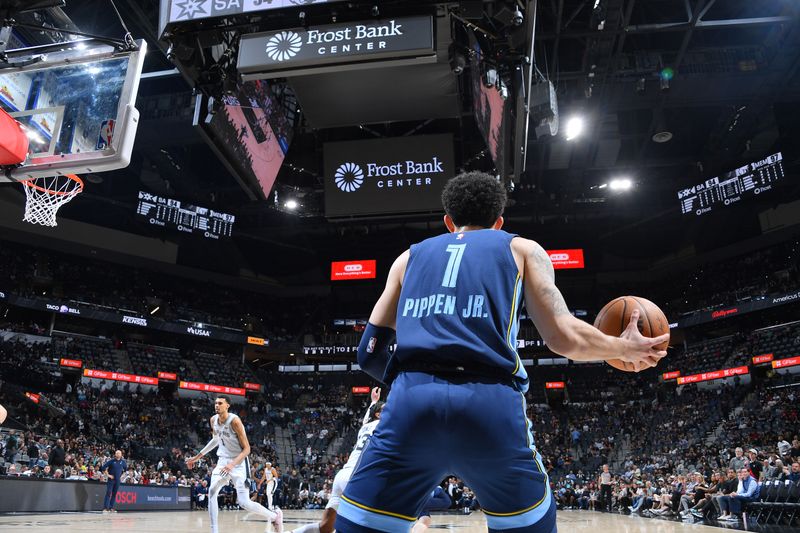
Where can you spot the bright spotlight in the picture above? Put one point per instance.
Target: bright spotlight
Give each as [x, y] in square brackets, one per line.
[623, 184]
[574, 128]
[291, 204]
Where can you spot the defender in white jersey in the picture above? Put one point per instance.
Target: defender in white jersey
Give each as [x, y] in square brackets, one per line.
[227, 434]
[270, 477]
[371, 419]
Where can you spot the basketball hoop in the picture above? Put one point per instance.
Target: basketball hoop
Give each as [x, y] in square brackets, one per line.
[46, 195]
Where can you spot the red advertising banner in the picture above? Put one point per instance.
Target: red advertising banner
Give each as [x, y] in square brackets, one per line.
[353, 270]
[205, 387]
[119, 376]
[671, 375]
[169, 376]
[554, 385]
[72, 363]
[32, 396]
[252, 386]
[717, 374]
[566, 258]
[360, 390]
[784, 363]
[722, 313]
[764, 358]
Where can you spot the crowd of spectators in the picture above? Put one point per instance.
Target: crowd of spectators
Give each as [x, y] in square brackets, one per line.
[39, 273]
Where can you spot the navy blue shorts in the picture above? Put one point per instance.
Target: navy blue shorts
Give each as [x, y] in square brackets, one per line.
[430, 427]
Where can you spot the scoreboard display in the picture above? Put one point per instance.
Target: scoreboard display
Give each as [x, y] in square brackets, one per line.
[183, 217]
[729, 188]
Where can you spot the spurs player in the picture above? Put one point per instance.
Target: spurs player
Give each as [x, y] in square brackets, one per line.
[227, 433]
[270, 477]
[371, 419]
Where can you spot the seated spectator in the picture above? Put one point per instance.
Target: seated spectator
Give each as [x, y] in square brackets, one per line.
[747, 491]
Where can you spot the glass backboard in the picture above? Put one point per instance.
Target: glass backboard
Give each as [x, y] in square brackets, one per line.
[76, 103]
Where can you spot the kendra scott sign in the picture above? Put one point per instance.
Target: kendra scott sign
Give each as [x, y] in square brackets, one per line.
[351, 42]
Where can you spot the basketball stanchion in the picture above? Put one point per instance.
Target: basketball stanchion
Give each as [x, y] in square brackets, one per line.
[46, 195]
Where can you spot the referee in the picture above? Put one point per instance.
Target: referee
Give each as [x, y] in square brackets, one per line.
[115, 467]
[605, 489]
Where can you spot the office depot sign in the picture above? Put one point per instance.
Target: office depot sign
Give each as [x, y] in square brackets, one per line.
[764, 358]
[784, 363]
[341, 270]
[119, 376]
[566, 258]
[205, 387]
[716, 374]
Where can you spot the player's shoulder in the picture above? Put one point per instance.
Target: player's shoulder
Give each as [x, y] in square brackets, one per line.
[523, 245]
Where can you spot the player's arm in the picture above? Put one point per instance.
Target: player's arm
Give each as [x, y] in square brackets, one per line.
[375, 395]
[213, 443]
[373, 351]
[568, 336]
[238, 428]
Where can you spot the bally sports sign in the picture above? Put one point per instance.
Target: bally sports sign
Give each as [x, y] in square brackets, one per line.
[387, 176]
[300, 51]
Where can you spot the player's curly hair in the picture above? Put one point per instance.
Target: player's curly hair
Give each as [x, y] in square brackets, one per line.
[474, 199]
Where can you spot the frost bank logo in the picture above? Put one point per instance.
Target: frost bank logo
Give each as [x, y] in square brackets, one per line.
[348, 177]
[284, 45]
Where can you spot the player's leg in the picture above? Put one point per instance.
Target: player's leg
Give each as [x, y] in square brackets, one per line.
[217, 482]
[270, 492]
[107, 500]
[437, 501]
[326, 524]
[423, 523]
[239, 477]
[398, 469]
[493, 443]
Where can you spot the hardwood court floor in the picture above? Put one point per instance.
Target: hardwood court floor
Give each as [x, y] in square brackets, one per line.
[240, 522]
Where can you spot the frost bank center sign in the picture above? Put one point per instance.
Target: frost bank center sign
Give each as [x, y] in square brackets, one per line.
[336, 44]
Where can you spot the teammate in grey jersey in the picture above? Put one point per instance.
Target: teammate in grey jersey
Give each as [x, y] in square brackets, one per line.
[227, 433]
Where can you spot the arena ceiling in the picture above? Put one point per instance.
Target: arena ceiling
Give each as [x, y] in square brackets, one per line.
[733, 98]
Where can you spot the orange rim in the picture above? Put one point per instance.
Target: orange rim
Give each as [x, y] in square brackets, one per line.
[73, 177]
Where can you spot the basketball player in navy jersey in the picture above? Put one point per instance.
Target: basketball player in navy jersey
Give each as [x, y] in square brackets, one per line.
[454, 302]
[228, 435]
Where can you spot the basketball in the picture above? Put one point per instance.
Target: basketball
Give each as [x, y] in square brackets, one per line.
[614, 317]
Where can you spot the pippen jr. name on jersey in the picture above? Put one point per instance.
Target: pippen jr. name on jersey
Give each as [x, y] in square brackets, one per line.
[445, 304]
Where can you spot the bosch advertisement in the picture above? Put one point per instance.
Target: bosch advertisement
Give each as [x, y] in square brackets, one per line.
[181, 328]
[25, 495]
[387, 176]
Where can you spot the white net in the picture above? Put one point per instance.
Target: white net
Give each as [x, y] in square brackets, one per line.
[46, 195]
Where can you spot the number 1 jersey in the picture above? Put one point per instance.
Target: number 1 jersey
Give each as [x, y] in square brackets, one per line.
[459, 304]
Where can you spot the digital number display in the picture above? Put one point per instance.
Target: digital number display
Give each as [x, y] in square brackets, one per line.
[186, 218]
[750, 180]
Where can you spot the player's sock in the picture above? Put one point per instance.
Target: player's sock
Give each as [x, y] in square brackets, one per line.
[309, 528]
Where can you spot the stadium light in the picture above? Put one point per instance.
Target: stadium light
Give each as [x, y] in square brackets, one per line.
[575, 127]
[291, 204]
[621, 184]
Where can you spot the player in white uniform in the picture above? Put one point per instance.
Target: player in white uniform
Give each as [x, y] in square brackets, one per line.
[371, 419]
[227, 433]
[270, 477]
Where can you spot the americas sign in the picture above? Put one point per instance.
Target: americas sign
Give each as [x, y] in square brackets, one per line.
[344, 43]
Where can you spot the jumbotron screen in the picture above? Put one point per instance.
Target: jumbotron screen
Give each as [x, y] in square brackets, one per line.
[729, 188]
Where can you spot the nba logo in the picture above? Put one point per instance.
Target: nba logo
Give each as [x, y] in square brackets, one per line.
[106, 134]
[371, 345]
